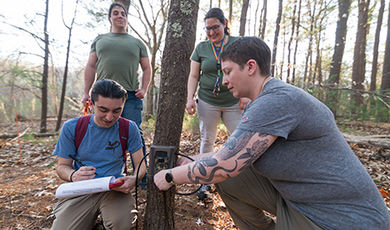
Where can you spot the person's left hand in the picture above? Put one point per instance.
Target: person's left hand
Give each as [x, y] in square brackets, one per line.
[140, 93]
[129, 183]
[243, 102]
[160, 182]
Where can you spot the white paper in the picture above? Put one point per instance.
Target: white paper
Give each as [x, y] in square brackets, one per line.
[84, 187]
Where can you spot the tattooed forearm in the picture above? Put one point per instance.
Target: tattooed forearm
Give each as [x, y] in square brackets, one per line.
[198, 180]
[236, 142]
[203, 163]
[254, 152]
[243, 148]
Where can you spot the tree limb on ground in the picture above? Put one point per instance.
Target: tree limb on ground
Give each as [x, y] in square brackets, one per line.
[382, 141]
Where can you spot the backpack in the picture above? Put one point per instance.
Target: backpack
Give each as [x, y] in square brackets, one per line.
[82, 126]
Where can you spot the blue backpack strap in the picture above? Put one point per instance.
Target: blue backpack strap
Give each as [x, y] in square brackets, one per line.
[81, 130]
[124, 136]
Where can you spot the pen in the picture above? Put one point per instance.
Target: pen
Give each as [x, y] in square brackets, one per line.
[81, 163]
[78, 161]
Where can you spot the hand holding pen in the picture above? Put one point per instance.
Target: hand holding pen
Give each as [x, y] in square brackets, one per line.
[83, 173]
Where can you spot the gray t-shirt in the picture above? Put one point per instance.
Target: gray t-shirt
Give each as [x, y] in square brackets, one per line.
[310, 163]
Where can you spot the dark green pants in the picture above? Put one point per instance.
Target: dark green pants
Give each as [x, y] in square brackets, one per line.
[248, 194]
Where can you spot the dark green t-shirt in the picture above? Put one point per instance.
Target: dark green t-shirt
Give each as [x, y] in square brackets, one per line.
[203, 54]
[118, 56]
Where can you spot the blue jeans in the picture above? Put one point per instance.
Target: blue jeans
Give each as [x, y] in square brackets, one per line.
[133, 111]
[133, 108]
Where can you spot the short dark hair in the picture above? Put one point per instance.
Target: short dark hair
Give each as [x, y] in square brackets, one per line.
[245, 48]
[218, 14]
[107, 88]
[116, 4]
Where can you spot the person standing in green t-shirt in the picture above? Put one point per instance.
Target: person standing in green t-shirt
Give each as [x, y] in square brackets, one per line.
[116, 55]
[214, 102]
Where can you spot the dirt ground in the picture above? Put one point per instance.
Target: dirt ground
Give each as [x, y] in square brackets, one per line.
[28, 180]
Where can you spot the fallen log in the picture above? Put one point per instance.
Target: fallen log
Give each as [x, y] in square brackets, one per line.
[382, 141]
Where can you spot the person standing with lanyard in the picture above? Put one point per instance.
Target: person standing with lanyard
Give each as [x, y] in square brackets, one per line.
[214, 101]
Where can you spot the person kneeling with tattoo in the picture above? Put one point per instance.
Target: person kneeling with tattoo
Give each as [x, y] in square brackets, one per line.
[286, 157]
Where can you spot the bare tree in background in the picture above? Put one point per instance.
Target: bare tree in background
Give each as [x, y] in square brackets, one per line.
[335, 66]
[359, 56]
[180, 40]
[244, 11]
[230, 10]
[276, 36]
[293, 24]
[325, 9]
[70, 28]
[309, 56]
[263, 20]
[154, 27]
[296, 41]
[45, 74]
[376, 46]
[385, 86]
[383, 115]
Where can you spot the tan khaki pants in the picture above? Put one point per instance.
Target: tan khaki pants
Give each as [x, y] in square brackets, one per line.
[249, 193]
[80, 213]
[209, 118]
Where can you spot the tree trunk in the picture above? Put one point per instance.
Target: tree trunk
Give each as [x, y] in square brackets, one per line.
[383, 114]
[320, 28]
[359, 56]
[335, 66]
[244, 11]
[309, 56]
[275, 45]
[230, 10]
[376, 45]
[293, 18]
[45, 73]
[385, 86]
[283, 50]
[296, 41]
[180, 39]
[62, 100]
[263, 20]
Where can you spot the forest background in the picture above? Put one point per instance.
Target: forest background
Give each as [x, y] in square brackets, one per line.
[336, 50]
[350, 75]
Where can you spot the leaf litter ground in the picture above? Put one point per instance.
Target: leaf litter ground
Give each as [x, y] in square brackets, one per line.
[28, 180]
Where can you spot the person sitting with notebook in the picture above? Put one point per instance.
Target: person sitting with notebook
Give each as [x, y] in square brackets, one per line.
[99, 154]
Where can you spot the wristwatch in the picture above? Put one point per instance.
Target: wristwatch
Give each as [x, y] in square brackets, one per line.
[169, 177]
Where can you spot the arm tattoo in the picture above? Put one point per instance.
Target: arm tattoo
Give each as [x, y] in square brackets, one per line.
[234, 146]
[202, 171]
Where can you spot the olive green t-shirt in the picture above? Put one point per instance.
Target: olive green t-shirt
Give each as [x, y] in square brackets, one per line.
[203, 54]
[118, 58]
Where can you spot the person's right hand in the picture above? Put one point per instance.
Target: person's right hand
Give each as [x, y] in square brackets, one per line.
[84, 173]
[191, 107]
[86, 98]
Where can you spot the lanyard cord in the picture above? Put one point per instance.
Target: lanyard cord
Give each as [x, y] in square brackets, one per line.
[219, 69]
[216, 56]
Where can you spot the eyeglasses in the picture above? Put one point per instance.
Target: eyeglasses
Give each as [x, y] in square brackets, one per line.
[214, 27]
